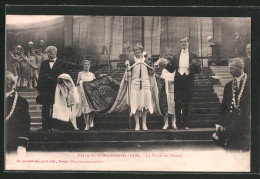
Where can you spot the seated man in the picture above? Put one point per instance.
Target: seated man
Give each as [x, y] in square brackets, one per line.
[17, 120]
[233, 131]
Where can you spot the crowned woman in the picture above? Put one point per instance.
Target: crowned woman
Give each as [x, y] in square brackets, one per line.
[140, 87]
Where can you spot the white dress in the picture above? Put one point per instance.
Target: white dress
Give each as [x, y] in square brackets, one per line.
[83, 105]
[141, 98]
[169, 88]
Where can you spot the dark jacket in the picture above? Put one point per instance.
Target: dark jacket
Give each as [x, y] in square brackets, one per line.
[236, 121]
[174, 63]
[47, 80]
[17, 127]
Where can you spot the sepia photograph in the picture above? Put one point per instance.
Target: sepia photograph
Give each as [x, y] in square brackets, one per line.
[127, 93]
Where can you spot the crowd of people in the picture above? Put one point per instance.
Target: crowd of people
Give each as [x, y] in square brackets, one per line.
[42, 69]
[25, 63]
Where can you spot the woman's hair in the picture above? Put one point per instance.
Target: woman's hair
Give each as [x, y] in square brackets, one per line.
[10, 77]
[86, 61]
[162, 61]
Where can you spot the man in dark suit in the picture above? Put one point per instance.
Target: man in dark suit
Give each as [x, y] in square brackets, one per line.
[235, 110]
[17, 118]
[47, 82]
[187, 65]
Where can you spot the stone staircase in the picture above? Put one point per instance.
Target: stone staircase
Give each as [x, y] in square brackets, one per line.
[221, 73]
[114, 129]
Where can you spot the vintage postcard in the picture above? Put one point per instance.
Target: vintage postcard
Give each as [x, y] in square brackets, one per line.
[127, 93]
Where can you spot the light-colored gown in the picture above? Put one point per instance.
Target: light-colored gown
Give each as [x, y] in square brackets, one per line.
[169, 88]
[83, 105]
[140, 98]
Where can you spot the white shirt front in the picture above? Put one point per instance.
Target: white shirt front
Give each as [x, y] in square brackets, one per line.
[52, 63]
[184, 62]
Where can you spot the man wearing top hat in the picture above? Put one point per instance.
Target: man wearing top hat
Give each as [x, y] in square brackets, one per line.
[187, 65]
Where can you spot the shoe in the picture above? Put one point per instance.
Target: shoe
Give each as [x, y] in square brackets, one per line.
[174, 127]
[185, 128]
[165, 126]
[91, 123]
[137, 127]
[145, 128]
[86, 128]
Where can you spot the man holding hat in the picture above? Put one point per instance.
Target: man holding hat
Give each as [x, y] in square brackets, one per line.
[187, 65]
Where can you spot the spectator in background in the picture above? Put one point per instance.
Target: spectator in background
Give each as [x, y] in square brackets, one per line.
[29, 49]
[13, 63]
[17, 118]
[44, 55]
[32, 76]
[24, 68]
[247, 60]
[39, 59]
[42, 45]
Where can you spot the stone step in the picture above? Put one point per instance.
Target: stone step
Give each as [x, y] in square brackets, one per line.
[203, 87]
[201, 80]
[203, 117]
[35, 107]
[208, 99]
[122, 135]
[32, 102]
[221, 70]
[30, 98]
[224, 74]
[203, 90]
[35, 113]
[24, 89]
[204, 111]
[101, 146]
[202, 83]
[150, 119]
[125, 125]
[25, 94]
[215, 105]
[204, 95]
[204, 77]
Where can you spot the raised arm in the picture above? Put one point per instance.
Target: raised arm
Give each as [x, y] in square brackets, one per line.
[78, 80]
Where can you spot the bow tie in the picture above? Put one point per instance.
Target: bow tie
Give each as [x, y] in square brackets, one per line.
[51, 60]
